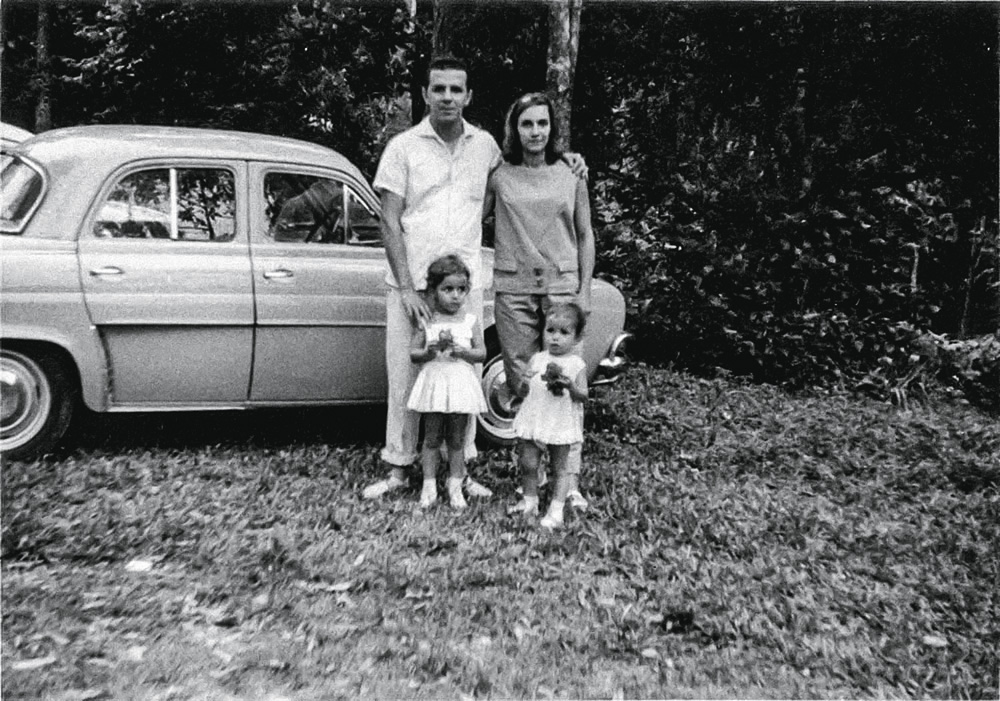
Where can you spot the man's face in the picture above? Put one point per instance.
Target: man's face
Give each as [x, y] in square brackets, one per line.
[446, 95]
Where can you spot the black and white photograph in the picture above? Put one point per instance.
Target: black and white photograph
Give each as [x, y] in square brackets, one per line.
[499, 349]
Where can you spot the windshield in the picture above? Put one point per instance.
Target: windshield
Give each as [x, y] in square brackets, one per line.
[20, 191]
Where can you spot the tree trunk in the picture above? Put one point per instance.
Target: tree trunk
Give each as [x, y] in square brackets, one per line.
[564, 40]
[43, 75]
[443, 20]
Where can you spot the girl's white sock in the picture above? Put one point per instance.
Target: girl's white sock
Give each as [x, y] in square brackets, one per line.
[455, 495]
[554, 517]
[429, 493]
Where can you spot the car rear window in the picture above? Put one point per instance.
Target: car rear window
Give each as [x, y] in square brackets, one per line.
[22, 185]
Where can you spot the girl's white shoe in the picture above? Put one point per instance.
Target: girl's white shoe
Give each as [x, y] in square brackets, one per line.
[528, 506]
[554, 518]
[577, 501]
[550, 523]
[455, 493]
[428, 494]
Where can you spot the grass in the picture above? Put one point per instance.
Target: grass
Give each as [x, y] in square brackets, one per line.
[740, 543]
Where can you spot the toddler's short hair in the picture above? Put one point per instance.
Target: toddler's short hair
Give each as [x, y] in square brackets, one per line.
[569, 310]
[443, 267]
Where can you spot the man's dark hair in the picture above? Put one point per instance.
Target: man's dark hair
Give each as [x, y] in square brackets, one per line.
[513, 151]
[446, 62]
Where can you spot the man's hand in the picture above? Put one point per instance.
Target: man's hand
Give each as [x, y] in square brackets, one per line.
[576, 164]
[415, 306]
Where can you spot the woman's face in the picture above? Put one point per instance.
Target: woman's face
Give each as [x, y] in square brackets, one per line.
[533, 128]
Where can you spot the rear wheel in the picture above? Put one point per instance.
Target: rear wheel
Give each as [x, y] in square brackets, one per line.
[496, 423]
[36, 403]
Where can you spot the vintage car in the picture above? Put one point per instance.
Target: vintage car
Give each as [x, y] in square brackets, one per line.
[11, 135]
[175, 269]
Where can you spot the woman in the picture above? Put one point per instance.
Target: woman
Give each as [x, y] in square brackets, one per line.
[544, 240]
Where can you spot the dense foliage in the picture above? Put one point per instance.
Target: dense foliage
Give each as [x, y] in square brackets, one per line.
[828, 172]
[765, 546]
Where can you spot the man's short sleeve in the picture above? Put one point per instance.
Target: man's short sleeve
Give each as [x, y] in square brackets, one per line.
[391, 173]
[496, 157]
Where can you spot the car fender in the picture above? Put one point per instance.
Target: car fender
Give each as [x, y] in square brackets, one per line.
[85, 350]
[43, 304]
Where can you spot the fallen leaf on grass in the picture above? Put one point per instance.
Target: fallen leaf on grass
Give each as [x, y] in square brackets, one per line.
[934, 641]
[84, 695]
[33, 663]
[134, 653]
[418, 593]
[57, 638]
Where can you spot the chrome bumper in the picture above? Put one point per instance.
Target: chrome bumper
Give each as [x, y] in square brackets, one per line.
[613, 365]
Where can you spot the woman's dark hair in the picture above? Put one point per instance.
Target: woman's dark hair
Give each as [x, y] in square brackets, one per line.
[443, 267]
[513, 151]
[571, 310]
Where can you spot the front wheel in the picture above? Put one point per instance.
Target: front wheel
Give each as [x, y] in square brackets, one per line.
[496, 425]
[36, 403]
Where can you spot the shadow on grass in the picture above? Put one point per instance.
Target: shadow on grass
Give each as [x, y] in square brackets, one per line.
[264, 428]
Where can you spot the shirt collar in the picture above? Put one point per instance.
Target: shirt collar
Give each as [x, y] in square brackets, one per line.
[426, 130]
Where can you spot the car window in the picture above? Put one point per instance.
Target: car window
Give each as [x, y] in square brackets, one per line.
[312, 209]
[181, 204]
[22, 186]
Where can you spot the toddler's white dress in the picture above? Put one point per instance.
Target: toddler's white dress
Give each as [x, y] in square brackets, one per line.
[545, 417]
[447, 385]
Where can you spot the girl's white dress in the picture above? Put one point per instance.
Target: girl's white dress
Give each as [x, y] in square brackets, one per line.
[447, 385]
[546, 417]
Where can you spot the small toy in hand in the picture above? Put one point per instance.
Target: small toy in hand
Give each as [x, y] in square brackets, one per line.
[554, 379]
[445, 341]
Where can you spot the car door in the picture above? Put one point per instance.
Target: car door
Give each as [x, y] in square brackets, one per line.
[319, 271]
[166, 275]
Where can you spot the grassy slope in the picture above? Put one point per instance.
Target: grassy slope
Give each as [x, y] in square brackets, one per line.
[741, 543]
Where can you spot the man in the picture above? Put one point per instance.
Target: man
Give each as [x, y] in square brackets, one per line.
[432, 179]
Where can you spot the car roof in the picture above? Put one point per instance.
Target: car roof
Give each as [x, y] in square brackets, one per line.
[128, 141]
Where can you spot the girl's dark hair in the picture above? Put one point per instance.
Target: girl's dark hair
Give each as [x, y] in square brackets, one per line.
[571, 310]
[443, 267]
[513, 151]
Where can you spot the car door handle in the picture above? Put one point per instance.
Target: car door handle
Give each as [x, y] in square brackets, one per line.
[278, 274]
[106, 270]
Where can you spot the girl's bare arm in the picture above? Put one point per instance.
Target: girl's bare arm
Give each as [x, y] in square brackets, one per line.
[419, 350]
[475, 354]
[577, 389]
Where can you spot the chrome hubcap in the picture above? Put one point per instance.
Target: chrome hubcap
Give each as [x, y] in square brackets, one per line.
[25, 399]
[498, 419]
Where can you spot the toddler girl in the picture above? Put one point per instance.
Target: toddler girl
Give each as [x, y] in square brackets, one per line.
[551, 417]
[447, 390]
